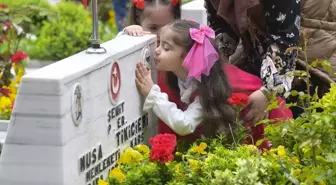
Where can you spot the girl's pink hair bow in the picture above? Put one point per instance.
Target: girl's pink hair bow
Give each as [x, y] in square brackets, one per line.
[202, 56]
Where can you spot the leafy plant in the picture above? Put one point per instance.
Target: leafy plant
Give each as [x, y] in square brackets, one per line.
[65, 35]
[312, 136]
[35, 11]
[12, 61]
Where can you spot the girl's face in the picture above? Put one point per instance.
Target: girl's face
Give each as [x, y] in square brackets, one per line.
[155, 17]
[168, 55]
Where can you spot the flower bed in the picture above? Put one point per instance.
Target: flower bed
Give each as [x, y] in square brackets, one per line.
[12, 60]
[303, 153]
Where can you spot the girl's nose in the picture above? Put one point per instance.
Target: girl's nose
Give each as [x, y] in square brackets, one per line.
[157, 50]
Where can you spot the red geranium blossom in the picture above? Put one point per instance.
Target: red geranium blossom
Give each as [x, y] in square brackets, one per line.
[163, 146]
[19, 56]
[239, 99]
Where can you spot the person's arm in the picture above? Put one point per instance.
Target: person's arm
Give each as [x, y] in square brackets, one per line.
[182, 122]
[283, 24]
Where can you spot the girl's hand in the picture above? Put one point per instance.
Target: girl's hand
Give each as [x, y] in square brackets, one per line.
[135, 30]
[143, 79]
[257, 107]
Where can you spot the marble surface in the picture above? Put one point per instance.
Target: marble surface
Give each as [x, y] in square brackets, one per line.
[43, 145]
[194, 10]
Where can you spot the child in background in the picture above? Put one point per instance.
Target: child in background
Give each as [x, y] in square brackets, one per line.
[149, 16]
[188, 50]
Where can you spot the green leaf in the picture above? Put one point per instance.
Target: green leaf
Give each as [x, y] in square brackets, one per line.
[326, 65]
[314, 63]
[260, 141]
[289, 105]
[331, 157]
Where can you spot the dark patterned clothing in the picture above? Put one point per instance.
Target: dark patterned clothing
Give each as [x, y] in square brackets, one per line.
[265, 45]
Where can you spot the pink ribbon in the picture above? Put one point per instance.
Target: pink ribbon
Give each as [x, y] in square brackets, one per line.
[202, 56]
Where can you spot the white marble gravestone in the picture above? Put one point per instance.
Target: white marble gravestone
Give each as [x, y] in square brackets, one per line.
[72, 118]
[194, 10]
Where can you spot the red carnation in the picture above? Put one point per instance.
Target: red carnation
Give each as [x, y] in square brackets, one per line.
[139, 4]
[3, 6]
[163, 146]
[239, 99]
[162, 154]
[169, 139]
[19, 56]
[5, 91]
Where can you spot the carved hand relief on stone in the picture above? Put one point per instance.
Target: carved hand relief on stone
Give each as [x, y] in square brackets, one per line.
[147, 57]
[115, 82]
[77, 104]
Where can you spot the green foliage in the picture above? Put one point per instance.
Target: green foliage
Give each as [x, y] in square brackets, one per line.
[143, 174]
[312, 136]
[65, 35]
[38, 11]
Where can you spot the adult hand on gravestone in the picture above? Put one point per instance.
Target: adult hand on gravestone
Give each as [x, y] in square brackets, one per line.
[135, 30]
[143, 79]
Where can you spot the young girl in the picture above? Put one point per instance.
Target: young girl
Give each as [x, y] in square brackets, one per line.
[149, 16]
[188, 50]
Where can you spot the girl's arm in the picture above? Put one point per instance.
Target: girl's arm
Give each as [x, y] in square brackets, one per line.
[182, 122]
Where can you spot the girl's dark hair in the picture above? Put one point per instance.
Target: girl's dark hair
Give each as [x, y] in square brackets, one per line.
[135, 13]
[213, 90]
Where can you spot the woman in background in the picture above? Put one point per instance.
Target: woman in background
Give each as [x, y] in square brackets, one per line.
[266, 29]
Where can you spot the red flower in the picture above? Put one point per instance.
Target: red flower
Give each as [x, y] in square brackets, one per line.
[139, 4]
[159, 139]
[4, 91]
[161, 154]
[174, 2]
[19, 56]
[3, 6]
[163, 146]
[239, 99]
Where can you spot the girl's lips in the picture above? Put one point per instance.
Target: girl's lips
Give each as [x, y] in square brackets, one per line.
[155, 60]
